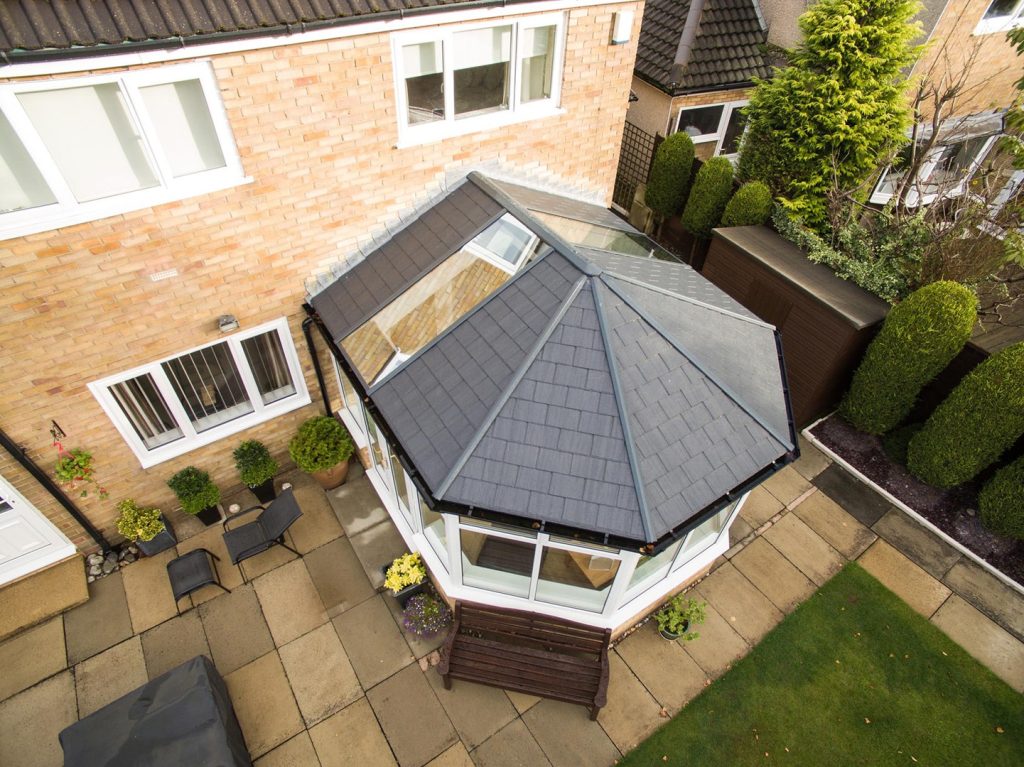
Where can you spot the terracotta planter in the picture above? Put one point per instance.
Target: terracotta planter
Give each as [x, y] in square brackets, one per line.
[264, 492]
[209, 516]
[331, 478]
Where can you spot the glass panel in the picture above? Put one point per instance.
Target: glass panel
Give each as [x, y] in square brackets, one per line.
[21, 184]
[100, 152]
[596, 236]
[536, 51]
[209, 387]
[704, 535]
[146, 410]
[266, 359]
[895, 173]
[1001, 8]
[497, 564]
[481, 63]
[953, 164]
[434, 529]
[575, 578]
[184, 126]
[424, 81]
[506, 239]
[733, 132]
[376, 447]
[702, 121]
[401, 487]
[651, 570]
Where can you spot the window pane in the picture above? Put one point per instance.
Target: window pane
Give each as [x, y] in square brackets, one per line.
[184, 126]
[733, 131]
[700, 122]
[575, 579]
[144, 407]
[21, 184]
[209, 387]
[100, 151]
[434, 529]
[424, 81]
[481, 62]
[497, 564]
[269, 367]
[596, 236]
[954, 163]
[1000, 8]
[651, 570]
[506, 239]
[704, 535]
[536, 50]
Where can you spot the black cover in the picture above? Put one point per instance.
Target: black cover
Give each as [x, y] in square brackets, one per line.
[183, 717]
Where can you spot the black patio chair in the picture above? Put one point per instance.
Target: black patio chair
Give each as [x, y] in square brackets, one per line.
[267, 530]
[192, 571]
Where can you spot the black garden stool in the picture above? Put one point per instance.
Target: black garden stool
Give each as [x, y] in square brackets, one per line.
[193, 571]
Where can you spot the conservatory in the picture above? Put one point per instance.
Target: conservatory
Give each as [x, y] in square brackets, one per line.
[558, 415]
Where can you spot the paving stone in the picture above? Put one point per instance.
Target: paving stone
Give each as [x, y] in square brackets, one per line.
[376, 547]
[522, 701]
[786, 485]
[632, 713]
[211, 539]
[173, 642]
[837, 528]
[104, 678]
[456, 756]
[989, 594]
[320, 675]
[858, 499]
[513, 746]
[290, 602]
[719, 646]
[268, 561]
[413, 720]
[352, 738]
[235, 629]
[477, 711]
[774, 575]
[567, 736]
[905, 579]
[101, 622]
[297, 752]
[664, 668]
[148, 591]
[264, 704]
[338, 576]
[372, 641]
[357, 505]
[987, 642]
[31, 721]
[31, 656]
[747, 610]
[318, 524]
[921, 545]
[804, 548]
[759, 507]
[739, 530]
[812, 461]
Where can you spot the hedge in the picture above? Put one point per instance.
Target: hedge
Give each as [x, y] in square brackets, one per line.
[750, 206]
[920, 337]
[670, 175]
[980, 419]
[708, 197]
[1001, 502]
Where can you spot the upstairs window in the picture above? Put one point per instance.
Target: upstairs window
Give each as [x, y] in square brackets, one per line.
[943, 173]
[81, 149]
[715, 129]
[1000, 16]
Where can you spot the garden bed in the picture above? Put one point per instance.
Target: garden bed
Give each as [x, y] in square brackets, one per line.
[953, 511]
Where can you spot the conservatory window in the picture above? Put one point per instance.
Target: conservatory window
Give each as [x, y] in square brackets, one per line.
[497, 562]
[573, 578]
[434, 530]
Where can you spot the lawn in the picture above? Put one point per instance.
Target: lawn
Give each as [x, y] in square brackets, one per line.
[852, 677]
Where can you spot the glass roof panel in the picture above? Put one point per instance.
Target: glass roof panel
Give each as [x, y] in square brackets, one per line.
[590, 235]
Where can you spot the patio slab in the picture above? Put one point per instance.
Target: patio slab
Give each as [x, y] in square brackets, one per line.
[786, 485]
[905, 579]
[663, 667]
[632, 713]
[106, 677]
[42, 595]
[297, 752]
[988, 643]
[522, 701]
[235, 629]
[211, 539]
[320, 675]
[812, 461]
[718, 647]
[759, 507]
[372, 641]
[750, 613]
[512, 746]
[413, 720]
[31, 656]
[456, 756]
[853, 495]
[774, 575]
[925, 548]
[845, 533]
[290, 602]
[318, 524]
[988, 594]
[477, 711]
[567, 737]
[356, 504]
[173, 642]
[376, 547]
[148, 591]
[31, 721]
[352, 738]
[804, 548]
[101, 622]
[261, 564]
[264, 704]
[338, 576]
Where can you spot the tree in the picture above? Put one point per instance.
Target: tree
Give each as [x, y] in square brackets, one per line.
[826, 120]
[711, 190]
[670, 175]
[750, 206]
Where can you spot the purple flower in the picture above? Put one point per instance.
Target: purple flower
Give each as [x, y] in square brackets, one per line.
[426, 615]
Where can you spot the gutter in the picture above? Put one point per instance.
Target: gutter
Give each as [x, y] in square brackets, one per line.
[306, 325]
[676, 92]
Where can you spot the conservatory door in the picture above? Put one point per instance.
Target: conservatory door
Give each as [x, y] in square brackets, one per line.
[28, 541]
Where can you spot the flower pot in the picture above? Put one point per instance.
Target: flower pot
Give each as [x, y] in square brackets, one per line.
[209, 516]
[405, 594]
[331, 478]
[672, 636]
[162, 541]
[265, 492]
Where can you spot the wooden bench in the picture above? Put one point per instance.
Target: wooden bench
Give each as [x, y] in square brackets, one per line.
[529, 653]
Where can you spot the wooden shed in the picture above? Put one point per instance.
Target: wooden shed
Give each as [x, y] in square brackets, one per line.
[826, 322]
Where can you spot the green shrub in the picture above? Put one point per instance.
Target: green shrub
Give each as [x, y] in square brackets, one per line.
[194, 489]
[670, 175]
[710, 193]
[980, 419]
[321, 444]
[1001, 502]
[254, 463]
[137, 523]
[750, 206]
[920, 337]
[896, 442]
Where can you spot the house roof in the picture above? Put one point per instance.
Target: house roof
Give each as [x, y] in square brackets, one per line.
[728, 49]
[620, 395]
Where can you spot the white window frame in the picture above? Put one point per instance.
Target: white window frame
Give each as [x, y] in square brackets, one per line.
[718, 137]
[411, 135]
[914, 196]
[191, 439]
[1000, 23]
[486, 255]
[67, 210]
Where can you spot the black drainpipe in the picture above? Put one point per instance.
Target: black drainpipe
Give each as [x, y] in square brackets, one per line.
[306, 325]
[53, 489]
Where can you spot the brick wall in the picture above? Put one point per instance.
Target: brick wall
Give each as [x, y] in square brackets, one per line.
[316, 128]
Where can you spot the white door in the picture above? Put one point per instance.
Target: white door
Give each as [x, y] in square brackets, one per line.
[28, 540]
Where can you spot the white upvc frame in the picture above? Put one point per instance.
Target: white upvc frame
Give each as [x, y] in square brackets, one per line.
[728, 107]
[191, 439]
[67, 210]
[1000, 23]
[914, 196]
[60, 547]
[485, 255]
[449, 126]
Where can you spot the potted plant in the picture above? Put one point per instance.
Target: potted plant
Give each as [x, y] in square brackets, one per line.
[147, 526]
[322, 448]
[257, 469]
[197, 494]
[74, 470]
[676, 618]
[425, 615]
[405, 577]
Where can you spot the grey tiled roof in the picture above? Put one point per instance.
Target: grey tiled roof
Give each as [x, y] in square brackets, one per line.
[728, 49]
[546, 202]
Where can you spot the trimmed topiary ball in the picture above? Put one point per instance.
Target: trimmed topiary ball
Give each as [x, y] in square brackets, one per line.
[710, 193]
[750, 206]
[920, 337]
[1001, 502]
[670, 175]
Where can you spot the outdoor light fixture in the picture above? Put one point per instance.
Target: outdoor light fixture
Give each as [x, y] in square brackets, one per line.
[227, 323]
[622, 28]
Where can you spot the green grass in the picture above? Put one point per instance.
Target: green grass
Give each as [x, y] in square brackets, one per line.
[852, 677]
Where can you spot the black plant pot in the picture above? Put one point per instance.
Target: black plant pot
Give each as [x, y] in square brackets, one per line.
[166, 539]
[408, 592]
[264, 493]
[209, 516]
